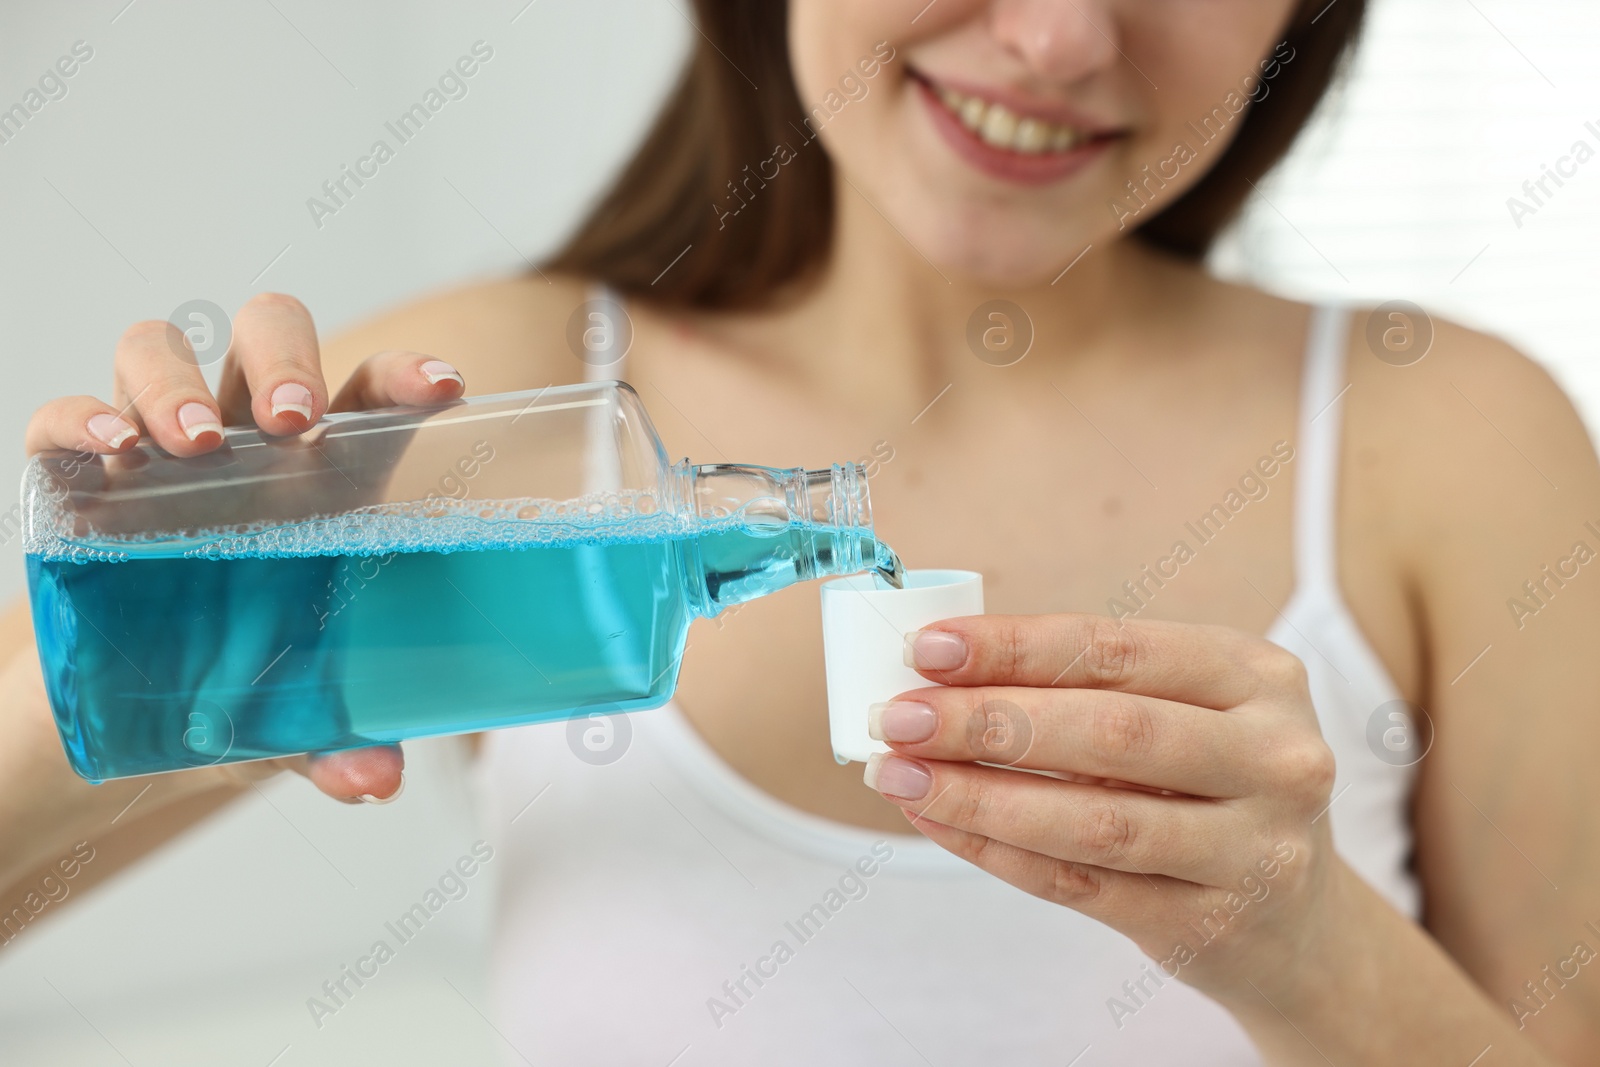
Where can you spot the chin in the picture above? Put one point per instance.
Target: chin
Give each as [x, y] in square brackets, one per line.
[998, 248]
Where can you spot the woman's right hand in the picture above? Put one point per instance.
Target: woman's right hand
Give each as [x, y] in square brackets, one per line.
[272, 379]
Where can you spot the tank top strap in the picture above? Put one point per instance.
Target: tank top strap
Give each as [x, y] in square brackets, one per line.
[1316, 509]
[603, 372]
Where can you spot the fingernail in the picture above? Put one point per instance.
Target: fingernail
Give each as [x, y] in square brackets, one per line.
[198, 419]
[897, 777]
[437, 370]
[901, 720]
[114, 431]
[292, 398]
[392, 797]
[935, 650]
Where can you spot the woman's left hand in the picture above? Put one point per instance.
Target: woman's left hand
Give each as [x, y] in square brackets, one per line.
[1185, 791]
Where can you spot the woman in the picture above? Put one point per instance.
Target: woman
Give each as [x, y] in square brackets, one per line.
[1251, 850]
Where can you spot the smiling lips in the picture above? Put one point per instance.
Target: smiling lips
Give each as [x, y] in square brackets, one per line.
[1000, 127]
[1007, 144]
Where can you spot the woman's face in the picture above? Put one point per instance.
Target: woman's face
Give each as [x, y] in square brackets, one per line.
[1002, 137]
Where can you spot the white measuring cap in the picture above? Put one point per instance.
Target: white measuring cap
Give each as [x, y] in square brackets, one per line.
[864, 624]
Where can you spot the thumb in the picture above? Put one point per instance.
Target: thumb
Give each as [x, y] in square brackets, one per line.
[374, 774]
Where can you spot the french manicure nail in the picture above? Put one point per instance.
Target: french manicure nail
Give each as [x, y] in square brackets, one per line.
[897, 777]
[292, 398]
[437, 370]
[392, 797]
[111, 429]
[935, 650]
[198, 419]
[901, 720]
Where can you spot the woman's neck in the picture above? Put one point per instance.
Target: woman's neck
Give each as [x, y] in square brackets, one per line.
[881, 321]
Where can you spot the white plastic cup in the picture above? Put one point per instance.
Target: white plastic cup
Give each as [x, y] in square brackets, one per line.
[864, 626]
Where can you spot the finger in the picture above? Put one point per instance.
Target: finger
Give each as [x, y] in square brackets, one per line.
[82, 424]
[1211, 666]
[273, 376]
[1115, 898]
[158, 378]
[1118, 829]
[1098, 733]
[398, 377]
[374, 775]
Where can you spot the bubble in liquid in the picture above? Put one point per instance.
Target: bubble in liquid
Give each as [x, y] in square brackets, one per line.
[440, 525]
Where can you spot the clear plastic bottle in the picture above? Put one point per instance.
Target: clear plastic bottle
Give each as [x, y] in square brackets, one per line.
[401, 573]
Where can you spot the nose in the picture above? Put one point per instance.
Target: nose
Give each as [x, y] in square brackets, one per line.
[1063, 40]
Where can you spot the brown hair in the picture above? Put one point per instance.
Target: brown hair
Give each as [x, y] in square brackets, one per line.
[658, 231]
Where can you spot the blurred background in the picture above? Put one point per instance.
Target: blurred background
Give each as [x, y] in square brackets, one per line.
[177, 166]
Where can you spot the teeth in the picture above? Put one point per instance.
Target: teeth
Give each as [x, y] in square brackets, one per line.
[999, 127]
[971, 111]
[1031, 136]
[1003, 128]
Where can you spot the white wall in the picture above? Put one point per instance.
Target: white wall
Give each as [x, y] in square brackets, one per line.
[178, 166]
[1400, 192]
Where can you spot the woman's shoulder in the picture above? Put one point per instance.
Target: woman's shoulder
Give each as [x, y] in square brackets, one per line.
[1454, 405]
[1460, 452]
[1467, 454]
[502, 334]
[1428, 390]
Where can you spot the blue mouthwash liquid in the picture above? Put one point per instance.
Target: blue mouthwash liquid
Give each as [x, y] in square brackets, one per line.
[381, 628]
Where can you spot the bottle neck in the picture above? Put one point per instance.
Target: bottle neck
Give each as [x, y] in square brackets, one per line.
[764, 528]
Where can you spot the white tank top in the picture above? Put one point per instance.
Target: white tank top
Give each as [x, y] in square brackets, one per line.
[661, 910]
